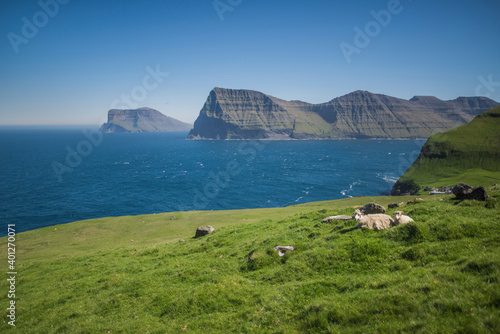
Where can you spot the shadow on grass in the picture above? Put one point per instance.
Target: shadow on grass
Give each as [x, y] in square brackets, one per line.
[347, 230]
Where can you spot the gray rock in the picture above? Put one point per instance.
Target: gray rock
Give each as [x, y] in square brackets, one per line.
[478, 193]
[463, 191]
[339, 217]
[372, 208]
[396, 205]
[204, 230]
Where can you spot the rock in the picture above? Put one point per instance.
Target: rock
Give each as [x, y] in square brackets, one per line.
[172, 218]
[463, 191]
[372, 208]
[204, 230]
[393, 205]
[415, 201]
[339, 217]
[478, 194]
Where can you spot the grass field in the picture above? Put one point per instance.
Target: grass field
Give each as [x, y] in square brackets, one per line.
[134, 275]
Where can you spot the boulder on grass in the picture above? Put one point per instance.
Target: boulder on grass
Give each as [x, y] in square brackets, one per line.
[463, 191]
[372, 208]
[339, 217]
[203, 230]
[479, 194]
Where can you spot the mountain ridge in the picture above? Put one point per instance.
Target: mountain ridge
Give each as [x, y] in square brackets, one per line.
[250, 114]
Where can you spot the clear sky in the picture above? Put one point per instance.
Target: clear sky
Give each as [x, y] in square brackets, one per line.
[70, 61]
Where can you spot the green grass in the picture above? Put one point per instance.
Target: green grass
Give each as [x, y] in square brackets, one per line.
[469, 154]
[439, 274]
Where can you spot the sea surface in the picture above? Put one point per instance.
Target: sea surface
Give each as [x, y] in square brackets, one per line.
[57, 176]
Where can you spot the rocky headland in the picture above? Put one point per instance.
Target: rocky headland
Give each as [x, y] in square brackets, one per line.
[142, 120]
[248, 114]
[469, 153]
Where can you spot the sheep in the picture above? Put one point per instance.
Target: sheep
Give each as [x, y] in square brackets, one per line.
[400, 218]
[375, 222]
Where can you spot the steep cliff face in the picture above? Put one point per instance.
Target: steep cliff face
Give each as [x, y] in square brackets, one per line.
[243, 114]
[141, 120]
[246, 114]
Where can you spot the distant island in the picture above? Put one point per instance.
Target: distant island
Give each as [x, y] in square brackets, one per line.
[141, 120]
[248, 114]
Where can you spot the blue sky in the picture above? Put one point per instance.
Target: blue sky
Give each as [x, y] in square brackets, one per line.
[86, 55]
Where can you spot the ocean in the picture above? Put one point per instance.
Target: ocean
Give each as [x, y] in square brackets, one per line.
[56, 176]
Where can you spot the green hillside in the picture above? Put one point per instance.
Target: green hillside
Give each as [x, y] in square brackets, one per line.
[135, 275]
[469, 153]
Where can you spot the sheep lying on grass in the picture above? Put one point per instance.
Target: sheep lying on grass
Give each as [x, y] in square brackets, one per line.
[375, 222]
[400, 218]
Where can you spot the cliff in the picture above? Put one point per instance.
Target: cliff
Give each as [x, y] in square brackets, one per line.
[141, 120]
[247, 114]
[469, 153]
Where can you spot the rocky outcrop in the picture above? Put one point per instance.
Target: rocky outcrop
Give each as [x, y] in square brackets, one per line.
[141, 120]
[372, 208]
[463, 191]
[338, 217]
[203, 230]
[247, 114]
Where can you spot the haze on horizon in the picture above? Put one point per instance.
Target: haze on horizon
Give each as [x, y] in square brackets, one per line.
[68, 62]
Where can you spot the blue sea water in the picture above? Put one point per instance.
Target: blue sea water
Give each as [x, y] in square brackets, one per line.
[56, 176]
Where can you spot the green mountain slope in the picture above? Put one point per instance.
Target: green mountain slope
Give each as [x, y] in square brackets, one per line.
[469, 153]
[133, 275]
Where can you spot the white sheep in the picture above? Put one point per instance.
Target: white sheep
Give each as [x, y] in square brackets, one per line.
[375, 222]
[400, 218]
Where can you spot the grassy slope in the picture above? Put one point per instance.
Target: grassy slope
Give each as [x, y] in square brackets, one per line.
[469, 154]
[441, 274]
